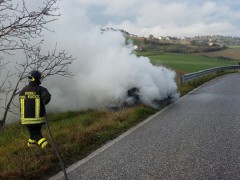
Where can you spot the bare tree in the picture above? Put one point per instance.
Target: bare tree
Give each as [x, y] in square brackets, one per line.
[18, 23]
[19, 26]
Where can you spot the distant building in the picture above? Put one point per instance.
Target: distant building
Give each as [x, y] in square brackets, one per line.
[168, 38]
[135, 47]
[210, 43]
[133, 35]
[150, 36]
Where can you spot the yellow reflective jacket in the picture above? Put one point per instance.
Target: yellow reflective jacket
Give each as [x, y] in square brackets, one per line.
[33, 99]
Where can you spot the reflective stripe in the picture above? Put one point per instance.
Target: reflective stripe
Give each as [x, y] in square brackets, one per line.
[22, 105]
[44, 144]
[37, 107]
[41, 141]
[33, 120]
[32, 141]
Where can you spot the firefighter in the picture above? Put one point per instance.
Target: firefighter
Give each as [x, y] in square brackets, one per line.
[33, 99]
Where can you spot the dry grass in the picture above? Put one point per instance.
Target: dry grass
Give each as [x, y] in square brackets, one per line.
[76, 135]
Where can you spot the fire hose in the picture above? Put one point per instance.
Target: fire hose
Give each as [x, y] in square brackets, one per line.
[55, 149]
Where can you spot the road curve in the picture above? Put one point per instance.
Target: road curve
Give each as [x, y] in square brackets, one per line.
[198, 137]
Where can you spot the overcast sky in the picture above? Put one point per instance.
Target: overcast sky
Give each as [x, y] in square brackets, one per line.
[160, 17]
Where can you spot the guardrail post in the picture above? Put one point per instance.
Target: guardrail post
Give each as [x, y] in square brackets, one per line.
[182, 80]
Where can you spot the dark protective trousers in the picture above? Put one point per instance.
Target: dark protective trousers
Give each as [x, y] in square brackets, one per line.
[35, 132]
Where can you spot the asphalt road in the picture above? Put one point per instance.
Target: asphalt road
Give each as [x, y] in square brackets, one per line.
[198, 137]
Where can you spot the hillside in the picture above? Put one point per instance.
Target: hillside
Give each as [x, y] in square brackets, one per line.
[176, 45]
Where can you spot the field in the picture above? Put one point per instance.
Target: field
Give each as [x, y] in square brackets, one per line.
[190, 62]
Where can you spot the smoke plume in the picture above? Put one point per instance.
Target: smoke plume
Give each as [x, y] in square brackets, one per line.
[105, 68]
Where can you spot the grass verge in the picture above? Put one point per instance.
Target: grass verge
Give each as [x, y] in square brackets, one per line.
[76, 135]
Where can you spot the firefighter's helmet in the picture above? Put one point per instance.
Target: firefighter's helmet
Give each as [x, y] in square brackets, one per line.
[35, 75]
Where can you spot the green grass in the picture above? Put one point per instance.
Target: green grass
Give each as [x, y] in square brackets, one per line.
[76, 135]
[185, 62]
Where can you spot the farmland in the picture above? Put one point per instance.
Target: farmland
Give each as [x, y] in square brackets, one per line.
[193, 56]
[187, 62]
[232, 53]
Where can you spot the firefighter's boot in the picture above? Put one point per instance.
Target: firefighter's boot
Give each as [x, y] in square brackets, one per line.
[31, 143]
[43, 143]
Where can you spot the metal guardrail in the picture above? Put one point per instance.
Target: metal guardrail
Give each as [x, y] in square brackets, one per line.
[188, 77]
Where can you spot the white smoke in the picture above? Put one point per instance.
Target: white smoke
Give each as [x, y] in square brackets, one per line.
[105, 67]
[104, 70]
